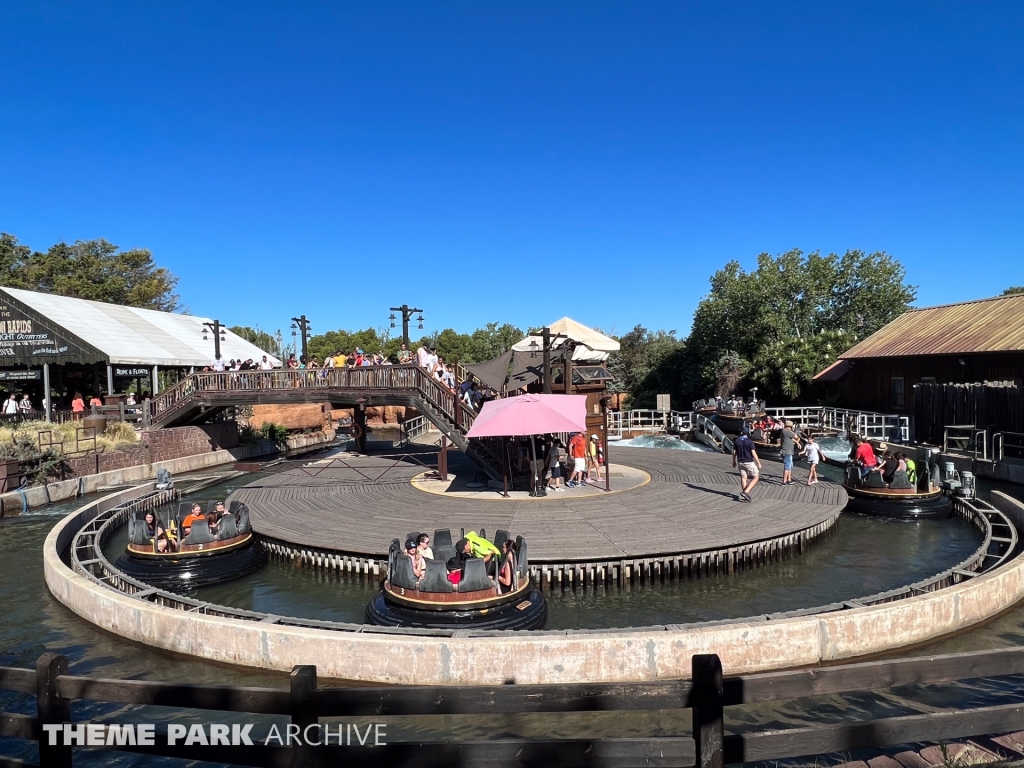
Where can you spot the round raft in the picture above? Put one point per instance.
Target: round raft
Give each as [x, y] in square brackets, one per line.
[900, 499]
[433, 602]
[203, 559]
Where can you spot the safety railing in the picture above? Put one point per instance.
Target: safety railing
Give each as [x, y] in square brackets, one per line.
[649, 421]
[965, 439]
[413, 428]
[1008, 445]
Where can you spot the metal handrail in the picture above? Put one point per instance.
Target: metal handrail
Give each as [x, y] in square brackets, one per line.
[1000, 444]
[973, 438]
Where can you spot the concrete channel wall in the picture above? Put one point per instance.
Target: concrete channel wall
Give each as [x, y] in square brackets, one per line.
[626, 655]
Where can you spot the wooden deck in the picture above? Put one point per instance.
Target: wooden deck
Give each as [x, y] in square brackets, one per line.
[690, 506]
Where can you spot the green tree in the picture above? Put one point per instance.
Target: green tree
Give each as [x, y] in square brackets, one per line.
[648, 363]
[269, 343]
[14, 259]
[788, 366]
[490, 341]
[1013, 289]
[453, 346]
[792, 296]
[97, 270]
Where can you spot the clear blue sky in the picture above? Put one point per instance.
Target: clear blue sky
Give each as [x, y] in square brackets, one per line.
[513, 161]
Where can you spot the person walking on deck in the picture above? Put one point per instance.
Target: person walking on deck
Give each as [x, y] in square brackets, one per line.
[789, 443]
[745, 456]
[813, 453]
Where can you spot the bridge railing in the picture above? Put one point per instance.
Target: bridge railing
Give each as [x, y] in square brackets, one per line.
[304, 702]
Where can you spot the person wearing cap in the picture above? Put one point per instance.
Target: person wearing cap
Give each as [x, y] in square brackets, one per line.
[744, 455]
[593, 454]
[789, 443]
[416, 557]
[457, 563]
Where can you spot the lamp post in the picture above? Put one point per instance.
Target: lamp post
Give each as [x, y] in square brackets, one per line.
[217, 330]
[304, 327]
[407, 313]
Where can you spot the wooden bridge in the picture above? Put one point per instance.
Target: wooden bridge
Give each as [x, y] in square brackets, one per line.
[202, 396]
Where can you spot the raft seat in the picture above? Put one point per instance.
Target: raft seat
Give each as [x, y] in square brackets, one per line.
[227, 528]
[435, 577]
[199, 534]
[500, 537]
[900, 482]
[402, 575]
[442, 538]
[524, 560]
[874, 480]
[444, 554]
[474, 576]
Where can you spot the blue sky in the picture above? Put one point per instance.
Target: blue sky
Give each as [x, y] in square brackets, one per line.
[513, 162]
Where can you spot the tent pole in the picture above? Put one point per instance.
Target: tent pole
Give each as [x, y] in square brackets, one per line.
[110, 380]
[604, 439]
[533, 466]
[506, 469]
[155, 388]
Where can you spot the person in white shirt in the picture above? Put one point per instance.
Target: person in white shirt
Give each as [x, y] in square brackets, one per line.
[431, 365]
[813, 453]
[265, 364]
[422, 356]
[11, 406]
[25, 405]
[217, 364]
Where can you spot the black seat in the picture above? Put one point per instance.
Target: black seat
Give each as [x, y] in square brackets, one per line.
[852, 474]
[137, 528]
[241, 513]
[211, 506]
[874, 480]
[227, 529]
[444, 554]
[442, 538]
[757, 434]
[474, 576]
[500, 537]
[900, 481]
[482, 533]
[435, 577]
[402, 574]
[199, 534]
[523, 560]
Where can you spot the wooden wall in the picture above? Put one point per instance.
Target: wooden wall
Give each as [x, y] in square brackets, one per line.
[868, 384]
[992, 407]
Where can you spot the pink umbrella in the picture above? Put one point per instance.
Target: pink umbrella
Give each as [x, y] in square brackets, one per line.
[531, 415]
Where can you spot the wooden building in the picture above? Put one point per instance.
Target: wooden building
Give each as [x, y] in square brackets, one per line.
[974, 341]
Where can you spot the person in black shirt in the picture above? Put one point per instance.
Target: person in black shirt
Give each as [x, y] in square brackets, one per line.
[463, 552]
[889, 466]
[745, 455]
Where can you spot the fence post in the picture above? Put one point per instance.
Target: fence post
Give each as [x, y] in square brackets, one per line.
[51, 709]
[302, 688]
[707, 704]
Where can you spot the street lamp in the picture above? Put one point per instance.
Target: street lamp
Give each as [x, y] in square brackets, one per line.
[301, 324]
[217, 330]
[407, 313]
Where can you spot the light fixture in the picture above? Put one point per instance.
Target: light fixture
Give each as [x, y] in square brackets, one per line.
[533, 347]
[420, 321]
[392, 319]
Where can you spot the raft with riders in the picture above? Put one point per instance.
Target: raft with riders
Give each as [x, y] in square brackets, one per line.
[475, 582]
[196, 545]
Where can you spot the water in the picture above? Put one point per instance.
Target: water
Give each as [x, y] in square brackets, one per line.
[845, 565]
[661, 441]
[837, 448]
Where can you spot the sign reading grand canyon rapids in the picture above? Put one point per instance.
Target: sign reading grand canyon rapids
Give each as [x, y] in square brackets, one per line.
[26, 338]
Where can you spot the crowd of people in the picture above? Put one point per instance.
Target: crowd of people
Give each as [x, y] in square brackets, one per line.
[543, 456]
[886, 462]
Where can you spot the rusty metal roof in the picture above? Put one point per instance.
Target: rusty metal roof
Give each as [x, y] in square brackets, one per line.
[986, 325]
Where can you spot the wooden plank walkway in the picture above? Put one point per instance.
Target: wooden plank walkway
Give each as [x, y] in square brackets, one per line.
[689, 507]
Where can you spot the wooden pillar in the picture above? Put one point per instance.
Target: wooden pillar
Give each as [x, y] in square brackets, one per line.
[302, 692]
[442, 458]
[708, 702]
[51, 709]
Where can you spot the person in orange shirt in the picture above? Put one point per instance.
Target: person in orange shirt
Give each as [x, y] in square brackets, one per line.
[193, 516]
[77, 406]
[577, 452]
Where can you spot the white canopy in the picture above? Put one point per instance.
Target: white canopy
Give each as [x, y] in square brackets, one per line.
[591, 346]
[128, 335]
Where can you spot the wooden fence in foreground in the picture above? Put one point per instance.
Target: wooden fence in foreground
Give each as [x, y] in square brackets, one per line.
[305, 703]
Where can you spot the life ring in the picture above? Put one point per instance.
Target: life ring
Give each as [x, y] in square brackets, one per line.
[356, 430]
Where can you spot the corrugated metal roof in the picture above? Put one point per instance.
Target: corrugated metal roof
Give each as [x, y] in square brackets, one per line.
[834, 372]
[986, 325]
[128, 335]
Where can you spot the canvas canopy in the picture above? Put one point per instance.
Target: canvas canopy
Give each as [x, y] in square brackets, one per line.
[589, 345]
[531, 415]
[42, 328]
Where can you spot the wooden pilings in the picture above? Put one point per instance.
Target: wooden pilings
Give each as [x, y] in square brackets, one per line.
[557, 576]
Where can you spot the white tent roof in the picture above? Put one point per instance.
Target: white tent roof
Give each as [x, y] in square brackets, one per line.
[591, 345]
[127, 335]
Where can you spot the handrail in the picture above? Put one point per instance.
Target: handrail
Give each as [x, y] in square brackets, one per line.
[968, 436]
[1000, 445]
